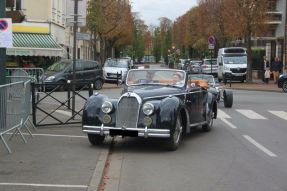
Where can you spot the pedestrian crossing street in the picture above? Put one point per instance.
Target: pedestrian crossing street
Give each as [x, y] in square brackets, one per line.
[250, 114]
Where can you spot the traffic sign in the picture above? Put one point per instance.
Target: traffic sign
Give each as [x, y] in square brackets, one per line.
[3, 24]
[6, 33]
[211, 40]
[210, 46]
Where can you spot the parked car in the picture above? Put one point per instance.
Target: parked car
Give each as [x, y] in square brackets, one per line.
[282, 82]
[209, 66]
[115, 69]
[194, 66]
[220, 92]
[85, 71]
[159, 103]
[181, 63]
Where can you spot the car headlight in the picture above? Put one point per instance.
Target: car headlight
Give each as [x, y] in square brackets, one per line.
[148, 108]
[50, 78]
[107, 107]
[226, 68]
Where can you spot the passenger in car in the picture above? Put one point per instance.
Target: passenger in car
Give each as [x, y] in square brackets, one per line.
[177, 79]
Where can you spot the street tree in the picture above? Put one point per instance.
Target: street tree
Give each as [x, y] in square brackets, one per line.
[111, 22]
[250, 18]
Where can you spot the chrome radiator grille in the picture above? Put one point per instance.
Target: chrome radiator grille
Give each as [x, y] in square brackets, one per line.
[127, 113]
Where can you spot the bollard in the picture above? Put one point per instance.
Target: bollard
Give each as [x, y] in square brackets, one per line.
[69, 94]
[91, 88]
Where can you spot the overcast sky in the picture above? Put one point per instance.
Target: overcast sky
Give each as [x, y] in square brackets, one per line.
[151, 10]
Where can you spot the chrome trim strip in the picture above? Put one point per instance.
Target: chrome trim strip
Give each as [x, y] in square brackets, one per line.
[197, 124]
[199, 91]
[142, 132]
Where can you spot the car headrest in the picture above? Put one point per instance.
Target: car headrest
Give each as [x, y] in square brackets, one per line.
[201, 83]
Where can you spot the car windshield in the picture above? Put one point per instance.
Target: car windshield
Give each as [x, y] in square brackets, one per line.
[209, 62]
[151, 76]
[58, 66]
[195, 63]
[117, 63]
[235, 59]
[209, 78]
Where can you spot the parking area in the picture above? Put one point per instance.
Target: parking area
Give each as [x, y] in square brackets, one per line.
[55, 159]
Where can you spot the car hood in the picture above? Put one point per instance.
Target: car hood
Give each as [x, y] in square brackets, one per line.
[145, 91]
[114, 70]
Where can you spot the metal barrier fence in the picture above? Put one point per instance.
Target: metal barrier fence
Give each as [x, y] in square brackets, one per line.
[36, 74]
[15, 108]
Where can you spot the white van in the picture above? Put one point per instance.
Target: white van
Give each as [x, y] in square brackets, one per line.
[232, 63]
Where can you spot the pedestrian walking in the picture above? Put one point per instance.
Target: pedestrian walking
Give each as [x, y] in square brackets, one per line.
[276, 68]
[267, 73]
[265, 64]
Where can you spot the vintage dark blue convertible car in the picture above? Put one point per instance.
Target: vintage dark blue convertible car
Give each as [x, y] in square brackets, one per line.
[162, 103]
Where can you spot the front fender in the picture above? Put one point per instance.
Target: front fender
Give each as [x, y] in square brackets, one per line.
[169, 109]
[92, 113]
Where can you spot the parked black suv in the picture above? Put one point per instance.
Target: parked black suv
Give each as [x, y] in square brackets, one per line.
[85, 71]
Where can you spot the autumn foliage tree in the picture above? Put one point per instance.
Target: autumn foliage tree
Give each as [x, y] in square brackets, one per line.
[111, 21]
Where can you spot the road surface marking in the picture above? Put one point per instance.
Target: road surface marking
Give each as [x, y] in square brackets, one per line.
[228, 123]
[54, 135]
[259, 146]
[44, 185]
[250, 114]
[221, 114]
[67, 113]
[280, 114]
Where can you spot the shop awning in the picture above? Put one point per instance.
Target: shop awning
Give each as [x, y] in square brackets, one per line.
[33, 44]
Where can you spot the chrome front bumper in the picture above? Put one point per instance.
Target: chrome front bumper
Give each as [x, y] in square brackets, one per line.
[142, 132]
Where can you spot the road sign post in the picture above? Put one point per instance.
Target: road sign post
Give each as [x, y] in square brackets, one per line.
[211, 45]
[2, 50]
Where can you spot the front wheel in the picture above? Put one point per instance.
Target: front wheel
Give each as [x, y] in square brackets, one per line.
[209, 119]
[284, 86]
[175, 137]
[96, 139]
[98, 84]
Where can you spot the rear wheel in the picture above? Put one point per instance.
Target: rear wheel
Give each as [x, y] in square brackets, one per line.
[284, 86]
[175, 137]
[228, 98]
[96, 139]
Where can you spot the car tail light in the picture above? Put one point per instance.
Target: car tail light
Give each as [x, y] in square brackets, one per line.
[204, 66]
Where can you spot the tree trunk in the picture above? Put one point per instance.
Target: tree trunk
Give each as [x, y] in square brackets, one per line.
[249, 57]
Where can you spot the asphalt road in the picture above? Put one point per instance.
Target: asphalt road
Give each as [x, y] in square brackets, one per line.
[245, 150]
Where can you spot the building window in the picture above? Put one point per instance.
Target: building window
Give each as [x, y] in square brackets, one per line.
[18, 5]
[79, 53]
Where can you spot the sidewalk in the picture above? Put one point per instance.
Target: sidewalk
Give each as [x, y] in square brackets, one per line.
[256, 85]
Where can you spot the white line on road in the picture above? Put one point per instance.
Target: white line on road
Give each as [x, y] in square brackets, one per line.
[54, 135]
[281, 114]
[44, 185]
[250, 114]
[221, 114]
[67, 113]
[259, 146]
[228, 123]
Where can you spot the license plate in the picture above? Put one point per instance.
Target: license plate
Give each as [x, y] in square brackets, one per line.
[114, 132]
[237, 74]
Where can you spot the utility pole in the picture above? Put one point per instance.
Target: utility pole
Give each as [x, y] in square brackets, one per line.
[75, 29]
[2, 50]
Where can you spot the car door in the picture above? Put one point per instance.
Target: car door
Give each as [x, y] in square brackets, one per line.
[194, 104]
[78, 72]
